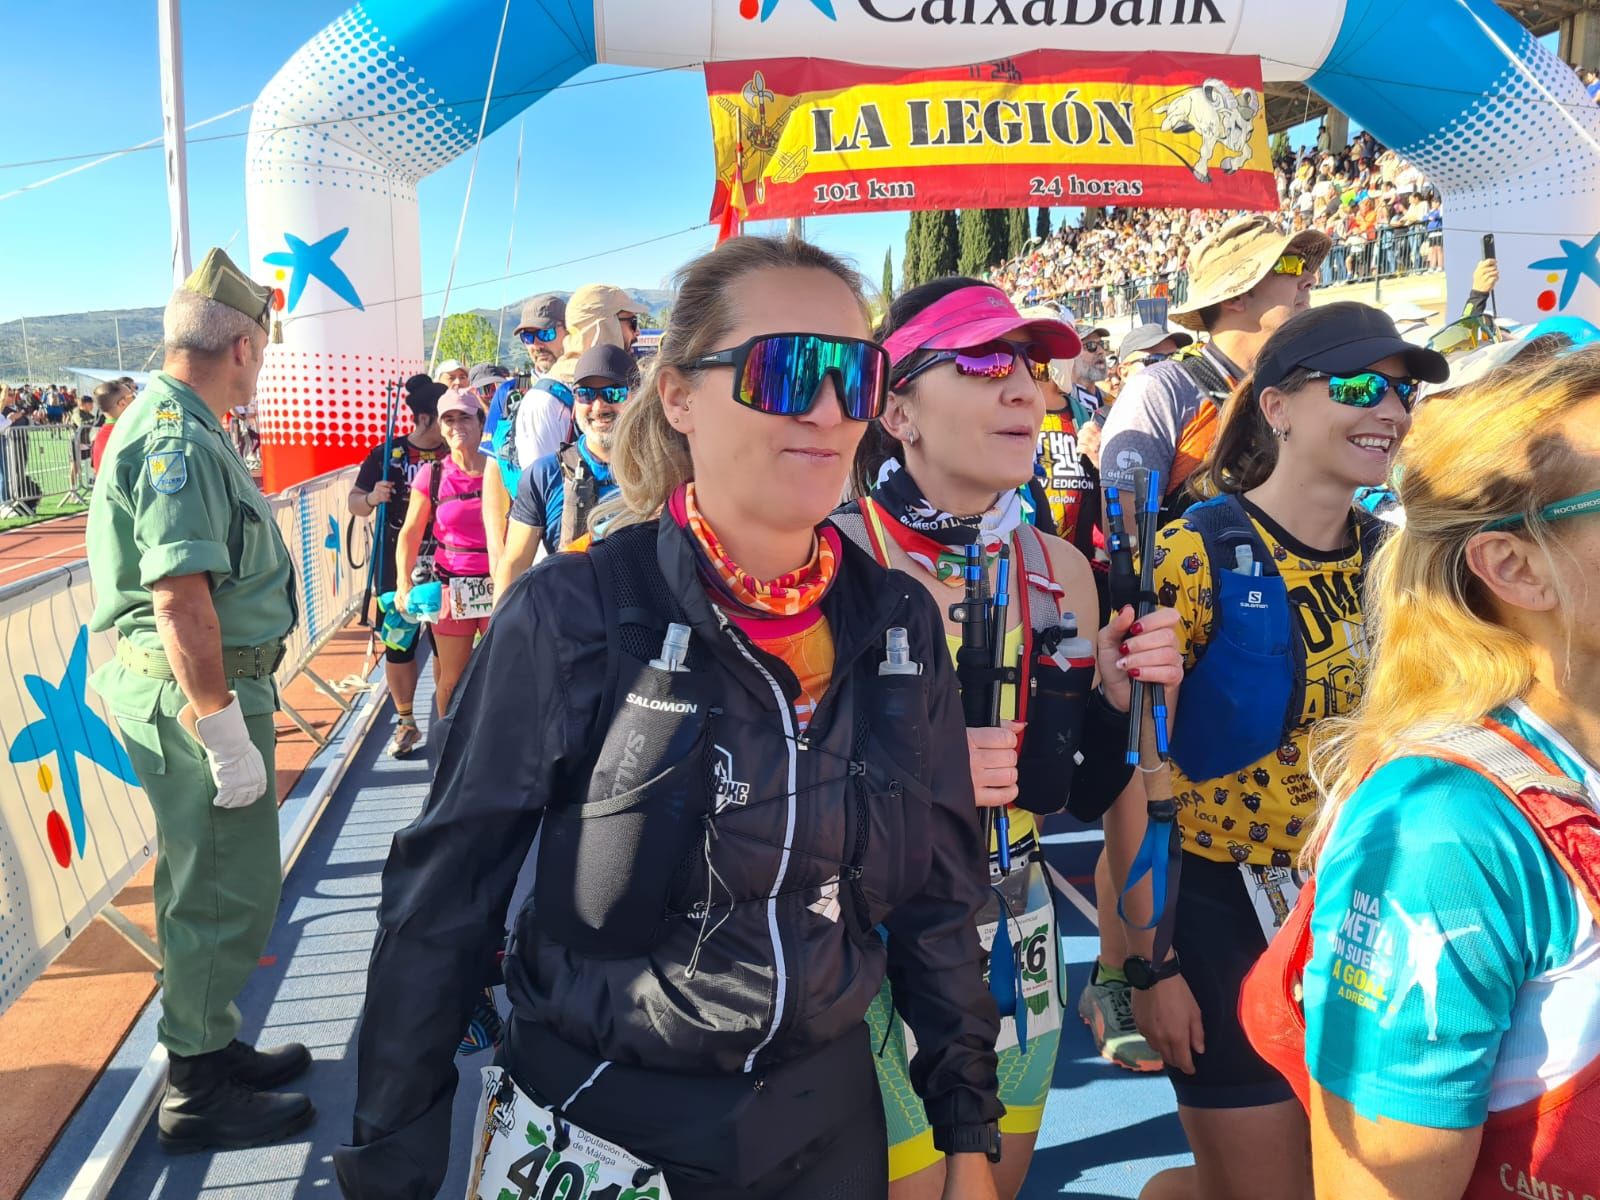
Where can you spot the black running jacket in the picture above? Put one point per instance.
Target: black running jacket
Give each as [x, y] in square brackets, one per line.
[802, 863]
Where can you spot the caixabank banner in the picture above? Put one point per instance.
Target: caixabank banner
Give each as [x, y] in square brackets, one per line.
[802, 137]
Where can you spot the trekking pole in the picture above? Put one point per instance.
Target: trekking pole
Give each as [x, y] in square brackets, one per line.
[1147, 515]
[1124, 580]
[974, 660]
[997, 643]
[380, 514]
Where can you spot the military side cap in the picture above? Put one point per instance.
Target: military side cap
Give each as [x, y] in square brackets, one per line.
[217, 278]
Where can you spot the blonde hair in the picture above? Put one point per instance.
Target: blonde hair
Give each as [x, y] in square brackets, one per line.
[649, 458]
[1437, 655]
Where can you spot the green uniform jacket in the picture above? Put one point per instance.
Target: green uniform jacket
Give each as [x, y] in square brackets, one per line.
[174, 498]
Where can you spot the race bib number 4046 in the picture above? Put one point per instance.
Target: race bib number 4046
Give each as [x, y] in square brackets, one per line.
[524, 1153]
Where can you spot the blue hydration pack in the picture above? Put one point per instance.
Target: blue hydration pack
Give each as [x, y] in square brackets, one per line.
[1244, 697]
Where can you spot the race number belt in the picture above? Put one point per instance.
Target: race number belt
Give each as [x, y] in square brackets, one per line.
[470, 597]
[527, 1152]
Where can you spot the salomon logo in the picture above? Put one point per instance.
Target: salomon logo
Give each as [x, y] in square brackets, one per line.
[1253, 600]
[671, 706]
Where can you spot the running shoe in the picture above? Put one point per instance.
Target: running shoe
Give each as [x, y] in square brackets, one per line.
[1106, 1006]
[407, 737]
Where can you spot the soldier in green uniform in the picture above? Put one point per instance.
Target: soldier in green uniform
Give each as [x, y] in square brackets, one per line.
[190, 570]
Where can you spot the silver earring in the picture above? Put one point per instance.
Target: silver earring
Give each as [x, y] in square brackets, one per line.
[910, 437]
[1281, 434]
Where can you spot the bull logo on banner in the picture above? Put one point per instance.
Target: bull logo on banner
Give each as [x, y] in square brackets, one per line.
[1222, 117]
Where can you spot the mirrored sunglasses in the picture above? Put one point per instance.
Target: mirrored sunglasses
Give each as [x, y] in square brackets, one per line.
[781, 373]
[529, 336]
[991, 360]
[1366, 389]
[594, 395]
[1464, 335]
[1290, 264]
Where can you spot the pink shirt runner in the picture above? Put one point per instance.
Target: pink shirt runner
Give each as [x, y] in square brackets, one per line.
[458, 523]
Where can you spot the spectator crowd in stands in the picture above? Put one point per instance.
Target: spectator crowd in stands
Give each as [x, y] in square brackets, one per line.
[1383, 216]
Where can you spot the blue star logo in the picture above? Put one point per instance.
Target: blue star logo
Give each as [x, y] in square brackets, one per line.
[331, 544]
[314, 260]
[1578, 263]
[68, 729]
[825, 7]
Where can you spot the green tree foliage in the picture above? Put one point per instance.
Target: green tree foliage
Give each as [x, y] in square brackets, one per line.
[888, 276]
[1280, 145]
[1016, 231]
[911, 258]
[941, 249]
[978, 247]
[1042, 229]
[468, 337]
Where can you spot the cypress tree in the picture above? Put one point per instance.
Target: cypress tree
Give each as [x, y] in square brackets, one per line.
[911, 258]
[1042, 229]
[1016, 231]
[888, 277]
[941, 253]
[974, 241]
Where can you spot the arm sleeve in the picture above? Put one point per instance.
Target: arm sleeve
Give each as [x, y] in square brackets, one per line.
[182, 512]
[1435, 904]
[935, 958]
[446, 889]
[1141, 430]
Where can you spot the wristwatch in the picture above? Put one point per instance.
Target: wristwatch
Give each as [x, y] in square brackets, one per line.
[976, 1139]
[1142, 974]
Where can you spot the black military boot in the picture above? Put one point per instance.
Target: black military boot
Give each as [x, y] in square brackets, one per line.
[266, 1069]
[205, 1107]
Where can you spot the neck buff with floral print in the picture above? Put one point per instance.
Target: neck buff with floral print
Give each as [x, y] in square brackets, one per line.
[935, 540]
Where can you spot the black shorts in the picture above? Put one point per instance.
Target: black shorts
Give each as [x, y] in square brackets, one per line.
[1218, 939]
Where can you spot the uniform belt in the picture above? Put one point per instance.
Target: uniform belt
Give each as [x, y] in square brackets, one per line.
[238, 662]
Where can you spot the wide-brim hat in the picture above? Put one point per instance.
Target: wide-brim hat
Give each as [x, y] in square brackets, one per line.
[971, 316]
[1237, 257]
[1146, 337]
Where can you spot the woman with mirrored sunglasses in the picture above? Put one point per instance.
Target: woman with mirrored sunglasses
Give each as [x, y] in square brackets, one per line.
[1266, 577]
[945, 467]
[739, 741]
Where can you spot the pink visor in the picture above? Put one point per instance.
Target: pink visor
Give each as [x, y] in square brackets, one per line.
[971, 317]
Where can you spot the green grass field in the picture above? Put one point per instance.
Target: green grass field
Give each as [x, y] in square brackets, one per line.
[49, 464]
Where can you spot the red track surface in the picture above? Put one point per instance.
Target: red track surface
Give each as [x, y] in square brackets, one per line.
[35, 548]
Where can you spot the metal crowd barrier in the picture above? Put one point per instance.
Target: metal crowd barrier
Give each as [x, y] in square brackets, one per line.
[40, 463]
[74, 823]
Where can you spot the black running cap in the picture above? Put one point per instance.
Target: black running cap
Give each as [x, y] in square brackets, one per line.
[1341, 339]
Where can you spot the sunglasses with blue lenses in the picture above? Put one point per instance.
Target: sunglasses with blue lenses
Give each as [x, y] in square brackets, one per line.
[1366, 389]
[530, 336]
[781, 373]
[594, 395]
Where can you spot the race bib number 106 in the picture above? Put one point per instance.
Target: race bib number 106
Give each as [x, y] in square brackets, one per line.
[471, 596]
[523, 1153]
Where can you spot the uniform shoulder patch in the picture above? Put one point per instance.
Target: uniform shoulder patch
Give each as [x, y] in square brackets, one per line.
[168, 471]
[168, 416]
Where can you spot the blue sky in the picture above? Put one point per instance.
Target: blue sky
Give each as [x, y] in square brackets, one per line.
[615, 163]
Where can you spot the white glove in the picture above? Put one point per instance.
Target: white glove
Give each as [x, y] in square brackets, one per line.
[236, 765]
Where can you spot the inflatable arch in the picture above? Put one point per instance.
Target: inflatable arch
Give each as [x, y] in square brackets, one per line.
[393, 89]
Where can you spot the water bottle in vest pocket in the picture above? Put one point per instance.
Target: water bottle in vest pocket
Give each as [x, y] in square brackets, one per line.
[607, 865]
[1233, 703]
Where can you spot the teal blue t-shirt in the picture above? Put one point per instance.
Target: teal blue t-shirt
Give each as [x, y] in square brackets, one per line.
[1455, 970]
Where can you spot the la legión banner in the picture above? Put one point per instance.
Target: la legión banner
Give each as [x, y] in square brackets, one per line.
[800, 137]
